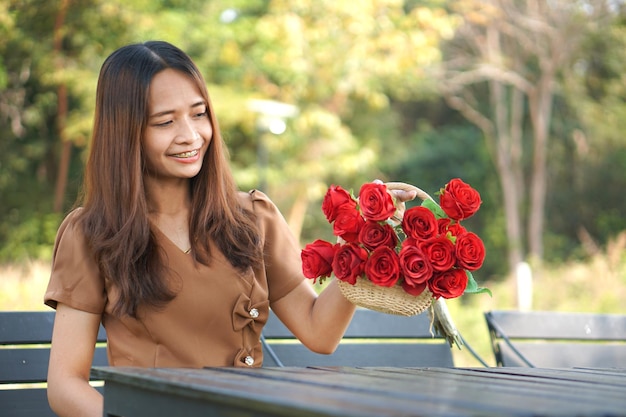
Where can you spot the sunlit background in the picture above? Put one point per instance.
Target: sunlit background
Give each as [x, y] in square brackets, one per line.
[524, 100]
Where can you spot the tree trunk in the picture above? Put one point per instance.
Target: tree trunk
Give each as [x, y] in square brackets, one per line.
[506, 164]
[516, 47]
[541, 112]
[511, 199]
[66, 145]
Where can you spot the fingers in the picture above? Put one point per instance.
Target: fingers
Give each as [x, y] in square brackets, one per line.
[404, 196]
[401, 196]
[408, 195]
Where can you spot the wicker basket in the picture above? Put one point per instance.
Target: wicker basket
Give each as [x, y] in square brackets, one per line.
[390, 300]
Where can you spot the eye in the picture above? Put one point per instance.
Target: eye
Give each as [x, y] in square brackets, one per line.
[201, 114]
[163, 124]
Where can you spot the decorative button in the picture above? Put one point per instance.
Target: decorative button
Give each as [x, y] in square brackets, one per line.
[254, 313]
[249, 360]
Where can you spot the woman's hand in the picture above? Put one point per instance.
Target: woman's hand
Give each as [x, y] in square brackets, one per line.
[400, 198]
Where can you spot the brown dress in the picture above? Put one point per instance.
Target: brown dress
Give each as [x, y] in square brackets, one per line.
[218, 313]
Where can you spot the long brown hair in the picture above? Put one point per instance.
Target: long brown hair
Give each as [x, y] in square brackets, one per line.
[115, 214]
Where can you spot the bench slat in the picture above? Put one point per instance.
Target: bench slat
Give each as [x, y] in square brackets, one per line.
[31, 364]
[28, 402]
[30, 327]
[565, 355]
[557, 339]
[560, 325]
[378, 354]
[366, 324]
[412, 344]
[26, 327]
[25, 403]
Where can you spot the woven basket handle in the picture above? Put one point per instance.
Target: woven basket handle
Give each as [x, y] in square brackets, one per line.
[408, 187]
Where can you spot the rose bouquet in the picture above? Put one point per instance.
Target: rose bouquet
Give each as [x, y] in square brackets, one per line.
[398, 262]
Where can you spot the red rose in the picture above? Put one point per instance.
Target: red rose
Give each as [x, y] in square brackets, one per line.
[383, 267]
[416, 267]
[448, 284]
[440, 252]
[375, 234]
[348, 224]
[336, 198]
[459, 200]
[349, 262]
[470, 251]
[446, 225]
[417, 290]
[317, 259]
[375, 202]
[419, 223]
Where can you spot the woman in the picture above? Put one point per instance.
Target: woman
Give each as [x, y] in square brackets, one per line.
[179, 266]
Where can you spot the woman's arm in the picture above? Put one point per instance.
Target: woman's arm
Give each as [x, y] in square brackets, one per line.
[319, 322]
[73, 344]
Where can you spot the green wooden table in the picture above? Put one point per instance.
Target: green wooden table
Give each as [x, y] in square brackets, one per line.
[363, 392]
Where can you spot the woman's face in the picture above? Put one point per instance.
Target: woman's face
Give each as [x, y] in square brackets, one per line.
[179, 131]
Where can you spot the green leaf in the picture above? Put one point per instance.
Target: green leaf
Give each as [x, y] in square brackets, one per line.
[434, 207]
[472, 286]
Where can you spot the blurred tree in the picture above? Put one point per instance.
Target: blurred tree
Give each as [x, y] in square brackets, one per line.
[367, 104]
[327, 57]
[595, 88]
[337, 63]
[453, 149]
[50, 57]
[502, 73]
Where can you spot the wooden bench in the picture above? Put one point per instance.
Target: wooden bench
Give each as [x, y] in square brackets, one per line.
[24, 352]
[557, 339]
[372, 339]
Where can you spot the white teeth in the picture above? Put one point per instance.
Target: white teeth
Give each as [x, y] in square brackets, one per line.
[186, 154]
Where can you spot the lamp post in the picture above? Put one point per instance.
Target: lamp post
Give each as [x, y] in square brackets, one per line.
[271, 118]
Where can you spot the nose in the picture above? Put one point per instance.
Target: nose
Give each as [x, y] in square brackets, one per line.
[187, 131]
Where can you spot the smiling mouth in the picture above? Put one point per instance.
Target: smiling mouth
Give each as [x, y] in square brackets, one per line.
[186, 154]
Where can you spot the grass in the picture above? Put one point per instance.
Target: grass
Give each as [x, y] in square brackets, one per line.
[598, 285]
[22, 287]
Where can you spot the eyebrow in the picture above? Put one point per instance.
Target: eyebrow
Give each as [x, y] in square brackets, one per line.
[166, 112]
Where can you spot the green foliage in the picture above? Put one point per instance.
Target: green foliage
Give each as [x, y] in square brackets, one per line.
[585, 202]
[473, 288]
[367, 108]
[435, 208]
[434, 155]
[30, 239]
[323, 56]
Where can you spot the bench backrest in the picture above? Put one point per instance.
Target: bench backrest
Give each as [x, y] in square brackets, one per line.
[24, 353]
[557, 339]
[372, 339]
